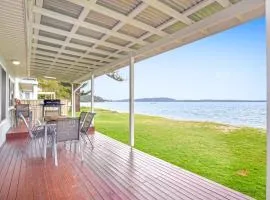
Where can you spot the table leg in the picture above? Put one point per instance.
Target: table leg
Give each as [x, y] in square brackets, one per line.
[45, 143]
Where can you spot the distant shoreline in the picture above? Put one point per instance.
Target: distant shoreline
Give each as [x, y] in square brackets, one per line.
[191, 101]
[182, 119]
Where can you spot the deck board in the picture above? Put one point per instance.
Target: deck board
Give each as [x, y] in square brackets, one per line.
[112, 170]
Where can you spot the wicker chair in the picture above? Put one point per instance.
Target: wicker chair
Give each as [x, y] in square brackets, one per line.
[67, 129]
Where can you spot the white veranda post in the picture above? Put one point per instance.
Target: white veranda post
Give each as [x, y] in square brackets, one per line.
[267, 13]
[92, 93]
[72, 101]
[131, 101]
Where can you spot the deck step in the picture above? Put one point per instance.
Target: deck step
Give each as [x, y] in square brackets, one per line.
[20, 132]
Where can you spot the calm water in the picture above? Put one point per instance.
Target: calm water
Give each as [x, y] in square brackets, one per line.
[236, 113]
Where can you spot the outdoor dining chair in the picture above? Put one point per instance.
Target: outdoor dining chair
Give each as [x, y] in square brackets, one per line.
[86, 123]
[82, 117]
[67, 129]
[23, 109]
[36, 131]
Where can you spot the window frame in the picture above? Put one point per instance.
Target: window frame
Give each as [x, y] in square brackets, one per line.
[3, 107]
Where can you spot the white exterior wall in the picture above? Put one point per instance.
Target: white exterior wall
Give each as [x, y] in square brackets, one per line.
[5, 124]
[33, 95]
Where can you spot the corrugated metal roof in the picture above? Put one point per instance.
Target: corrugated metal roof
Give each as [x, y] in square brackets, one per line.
[52, 35]
[132, 31]
[89, 33]
[63, 7]
[98, 35]
[206, 11]
[174, 27]
[121, 6]
[55, 23]
[153, 17]
[181, 5]
[101, 20]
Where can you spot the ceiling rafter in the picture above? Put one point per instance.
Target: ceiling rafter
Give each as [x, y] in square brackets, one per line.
[116, 28]
[61, 68]
[224, 3]
[46, 62]
[186, 13]
[75, 27]
[76, 46]
[79, 37]
[224, 15]
[62, 61]
[169, 11]
[38, 53]
[118, 16]
[71, 52]
[36, 19]
[88, 25]
[146, 27]
[133, 14]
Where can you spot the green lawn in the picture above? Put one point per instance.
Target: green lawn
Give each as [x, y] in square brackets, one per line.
[234, 157]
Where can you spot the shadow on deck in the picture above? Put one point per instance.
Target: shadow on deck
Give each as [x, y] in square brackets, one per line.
[110, 171]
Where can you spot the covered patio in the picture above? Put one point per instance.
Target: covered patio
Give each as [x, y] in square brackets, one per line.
[78, 40]
[112, 170]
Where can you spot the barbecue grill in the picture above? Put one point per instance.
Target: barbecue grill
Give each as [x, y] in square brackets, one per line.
[51, 107]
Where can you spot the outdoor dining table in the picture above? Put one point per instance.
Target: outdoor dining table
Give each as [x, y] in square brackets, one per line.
[50, 122]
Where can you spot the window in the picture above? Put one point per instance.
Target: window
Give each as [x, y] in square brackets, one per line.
[27, 95]
[3, 93]
[11, 93]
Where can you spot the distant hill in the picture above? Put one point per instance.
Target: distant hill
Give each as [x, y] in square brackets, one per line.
[87, 98]
[165, 99]
[159, 99]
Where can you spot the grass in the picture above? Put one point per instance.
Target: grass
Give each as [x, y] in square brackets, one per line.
[234, 157]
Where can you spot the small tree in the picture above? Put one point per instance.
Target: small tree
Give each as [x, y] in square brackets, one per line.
[113, 75]
[63, 89]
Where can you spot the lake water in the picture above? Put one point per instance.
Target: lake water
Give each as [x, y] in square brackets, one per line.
[251, 114]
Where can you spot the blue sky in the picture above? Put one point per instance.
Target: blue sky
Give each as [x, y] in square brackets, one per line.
[228, 65]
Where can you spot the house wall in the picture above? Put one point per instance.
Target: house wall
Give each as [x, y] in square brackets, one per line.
[6, 123]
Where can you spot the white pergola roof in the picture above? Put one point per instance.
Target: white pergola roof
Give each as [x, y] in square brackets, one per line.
[72, 39]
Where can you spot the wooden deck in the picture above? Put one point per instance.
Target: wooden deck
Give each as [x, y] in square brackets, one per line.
[110, 171]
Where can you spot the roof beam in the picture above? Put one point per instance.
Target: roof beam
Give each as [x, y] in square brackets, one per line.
[72, 53]
[29, 32]
[73, 59]
[134, 13]
[60, 61]
[84, 24]
[186, 13]
[45, 63]
[168, 10]
[241, 8]
[79, 37]
[100, 9]
[69, 36]
[61, 68]
[224, 3]
[198, 7]
[36, 20]
[77, 46]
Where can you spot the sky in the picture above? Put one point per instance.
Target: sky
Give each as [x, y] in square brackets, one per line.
[227, 65]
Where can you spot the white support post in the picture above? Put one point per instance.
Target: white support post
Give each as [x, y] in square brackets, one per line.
[131, 100]
[267, 13]
[72, 101]
[92, 93]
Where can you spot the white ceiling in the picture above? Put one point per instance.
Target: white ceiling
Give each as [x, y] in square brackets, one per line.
[72, 39]
[13, 34]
